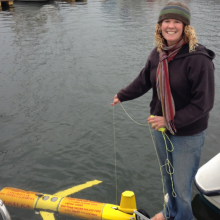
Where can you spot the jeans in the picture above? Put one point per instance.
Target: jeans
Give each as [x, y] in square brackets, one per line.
[185, 162]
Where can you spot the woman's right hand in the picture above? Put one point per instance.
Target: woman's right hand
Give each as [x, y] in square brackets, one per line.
[115, 100]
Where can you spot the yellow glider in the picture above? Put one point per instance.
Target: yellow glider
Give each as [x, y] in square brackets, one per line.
[80, 208]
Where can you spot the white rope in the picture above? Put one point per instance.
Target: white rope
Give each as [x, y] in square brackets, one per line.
[116, 185]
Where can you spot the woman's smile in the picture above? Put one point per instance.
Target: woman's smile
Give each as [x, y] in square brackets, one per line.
[171, 32]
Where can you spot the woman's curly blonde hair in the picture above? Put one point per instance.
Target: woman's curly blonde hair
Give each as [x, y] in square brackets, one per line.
[189, 36]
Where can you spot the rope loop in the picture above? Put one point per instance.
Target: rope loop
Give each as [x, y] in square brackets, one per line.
[169, 167]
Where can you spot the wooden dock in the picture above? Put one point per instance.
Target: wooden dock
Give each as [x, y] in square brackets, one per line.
[7, 2]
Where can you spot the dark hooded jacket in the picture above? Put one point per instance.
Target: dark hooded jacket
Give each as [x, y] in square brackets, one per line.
[191, 77]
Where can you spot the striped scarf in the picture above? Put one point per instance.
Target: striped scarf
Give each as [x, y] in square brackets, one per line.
[163, 85]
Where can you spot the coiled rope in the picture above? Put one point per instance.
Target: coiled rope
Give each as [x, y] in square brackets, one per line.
[168, 166]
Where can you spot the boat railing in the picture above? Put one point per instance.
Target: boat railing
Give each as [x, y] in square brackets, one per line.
[4, 211]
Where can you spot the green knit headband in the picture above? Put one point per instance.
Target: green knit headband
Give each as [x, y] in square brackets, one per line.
[175, 10]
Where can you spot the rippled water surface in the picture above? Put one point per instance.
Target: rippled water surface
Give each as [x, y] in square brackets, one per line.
[61, 63]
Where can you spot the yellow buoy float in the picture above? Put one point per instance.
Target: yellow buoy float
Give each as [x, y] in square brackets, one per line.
[71, 206]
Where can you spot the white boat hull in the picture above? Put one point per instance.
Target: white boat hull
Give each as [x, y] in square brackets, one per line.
[207, 181]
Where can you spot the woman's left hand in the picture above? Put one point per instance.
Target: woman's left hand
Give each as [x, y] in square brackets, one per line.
[157, 122]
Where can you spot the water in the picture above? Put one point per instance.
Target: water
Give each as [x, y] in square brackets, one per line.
[61, 63]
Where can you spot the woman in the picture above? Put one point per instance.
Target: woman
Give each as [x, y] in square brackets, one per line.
[181, 74]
